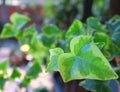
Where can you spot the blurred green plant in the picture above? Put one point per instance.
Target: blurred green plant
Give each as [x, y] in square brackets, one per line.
[82, 52]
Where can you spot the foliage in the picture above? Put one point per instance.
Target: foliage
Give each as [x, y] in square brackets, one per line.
[83, 52]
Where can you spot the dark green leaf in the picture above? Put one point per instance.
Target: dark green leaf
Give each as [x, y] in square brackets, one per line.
[94, 85]
[54, 55]
[95, 24]
[25, 82]
[51, 30]
[15, 74]
[84, 61]
[34, 70]
[2, 82]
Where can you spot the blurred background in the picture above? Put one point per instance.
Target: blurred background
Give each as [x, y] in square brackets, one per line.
[58, 12]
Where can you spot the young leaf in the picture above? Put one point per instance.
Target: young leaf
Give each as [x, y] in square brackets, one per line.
[15, 74]
[54, 55]
[3, 68]
[95, 24]
[85, 61]
[19, 20]
[75, 28]
[102, 37]
[34, 70]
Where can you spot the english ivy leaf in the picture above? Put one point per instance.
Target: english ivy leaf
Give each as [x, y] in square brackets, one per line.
[15, 74]
[34, 70]
[25, 82]
[95, 24]
[54, 55]
[116, 38]
[3, 68]
[114, 24]
[75, 29]
[102, 37]
[36, 45]
[85, 61]
[8, 31]
[2, 82]
[95, 85]
[50, 30]
[19, 20]
[29, 31]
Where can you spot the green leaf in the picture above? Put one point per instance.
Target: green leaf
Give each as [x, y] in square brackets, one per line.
[3, 68]
[2, 83]
[19, 20]
[114, 24]
[116, 38]
[50, 30]
[8, 31]
[54, 55]
[36, 46]
[102, 38]
[94, 85]
[48, 41]
[85, 61]
[15, 74]
[29, 31]
[34, 70]
[25, 82]
[75, 29]
[95, 24]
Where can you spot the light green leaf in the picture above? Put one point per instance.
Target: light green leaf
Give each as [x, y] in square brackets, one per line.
[8, 31]
[54, 55]
[102, 37]
[3, 68]
[19, 20]
[85, 61]
[95, 24]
